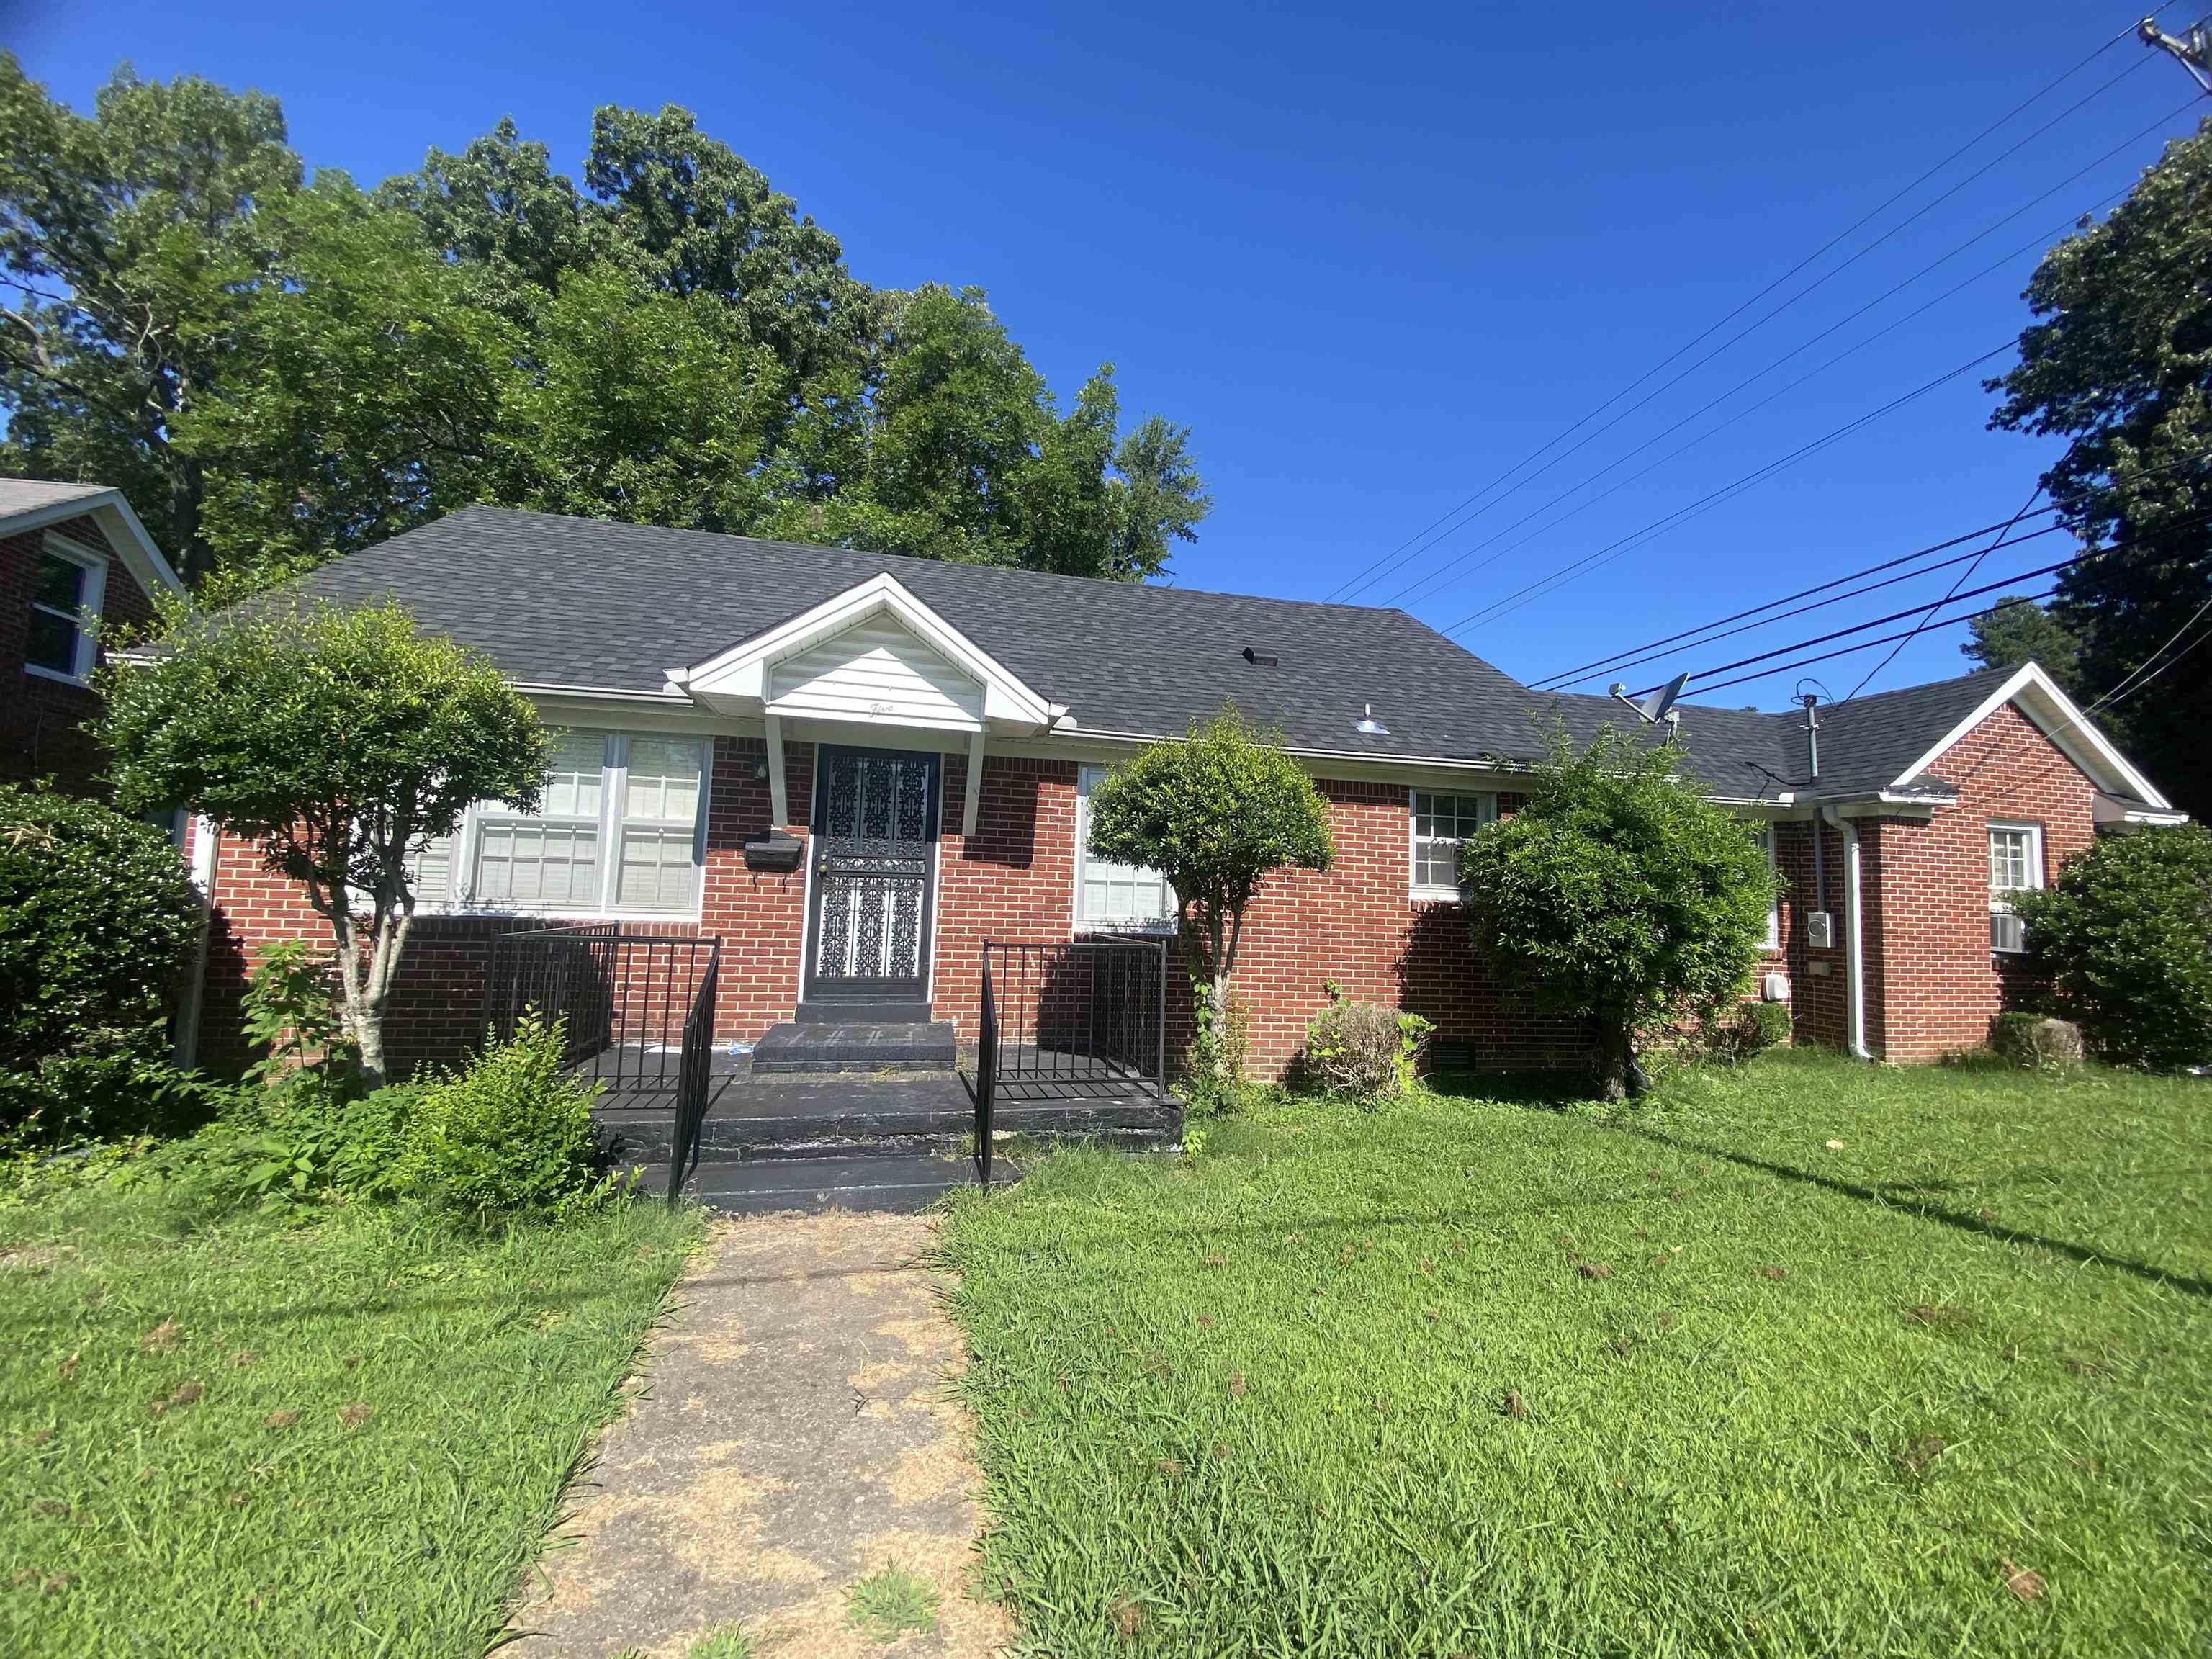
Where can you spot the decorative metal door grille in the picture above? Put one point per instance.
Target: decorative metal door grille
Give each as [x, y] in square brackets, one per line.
[874, 829]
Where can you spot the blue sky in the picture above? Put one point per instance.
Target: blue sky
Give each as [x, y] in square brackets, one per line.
[1373, 259]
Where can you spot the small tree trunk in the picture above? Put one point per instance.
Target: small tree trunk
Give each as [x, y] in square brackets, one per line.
[1613, 1064]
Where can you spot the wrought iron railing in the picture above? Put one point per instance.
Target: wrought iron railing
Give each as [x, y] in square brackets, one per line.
[638, 1012]
[1086, 1019]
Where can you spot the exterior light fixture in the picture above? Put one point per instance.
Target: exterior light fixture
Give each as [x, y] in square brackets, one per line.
[1367, 725]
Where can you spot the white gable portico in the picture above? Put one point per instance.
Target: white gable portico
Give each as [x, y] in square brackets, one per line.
[870, 665]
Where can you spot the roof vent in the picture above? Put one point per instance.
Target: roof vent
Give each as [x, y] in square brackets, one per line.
[1260, 659]
[1367, 725]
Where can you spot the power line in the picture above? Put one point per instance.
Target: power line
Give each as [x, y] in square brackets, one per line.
[1936, 604]
[1973, 566]
[1391, 561]
[1361, 578]
[2041, 240]
[1614, 548]
[1853, 650]
[1631, 656]
[1575, 569]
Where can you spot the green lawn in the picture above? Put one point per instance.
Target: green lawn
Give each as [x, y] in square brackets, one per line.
[246, 1438]
[1474, 1376]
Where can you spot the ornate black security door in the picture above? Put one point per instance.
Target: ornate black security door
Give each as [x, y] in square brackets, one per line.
[874, 849]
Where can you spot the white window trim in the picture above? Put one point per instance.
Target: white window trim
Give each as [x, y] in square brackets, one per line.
[2003, 907]
[94, 564]
[1487, 813]
[1773, 939]
[614, 788]
[1165, 928]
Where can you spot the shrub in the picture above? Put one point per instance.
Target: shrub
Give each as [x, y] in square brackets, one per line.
[510, 1131]
[2124, 940]
[2037, 1042]
[1751, 1028]
[97, 923]
[1618, 895]
[1363, 1049]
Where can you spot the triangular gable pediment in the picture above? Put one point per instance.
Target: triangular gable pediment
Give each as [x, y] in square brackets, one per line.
[2052, 712]
[873, 654]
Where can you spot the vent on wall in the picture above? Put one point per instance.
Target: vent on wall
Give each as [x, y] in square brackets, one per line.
[1260, 659]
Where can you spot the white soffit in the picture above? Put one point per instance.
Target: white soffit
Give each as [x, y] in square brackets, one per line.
[2053, 714]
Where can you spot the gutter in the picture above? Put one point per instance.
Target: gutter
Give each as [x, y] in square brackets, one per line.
[1854, 955]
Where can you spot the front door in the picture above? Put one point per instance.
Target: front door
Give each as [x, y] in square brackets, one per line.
[874, 852]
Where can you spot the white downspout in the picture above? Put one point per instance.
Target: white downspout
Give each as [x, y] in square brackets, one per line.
[195, 990]
[1855, 952]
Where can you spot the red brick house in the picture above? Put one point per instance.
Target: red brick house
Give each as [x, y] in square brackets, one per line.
[71, 555]
[854, 769]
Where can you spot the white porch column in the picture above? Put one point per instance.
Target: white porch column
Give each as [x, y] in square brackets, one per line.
[779, 797]
[973, 803]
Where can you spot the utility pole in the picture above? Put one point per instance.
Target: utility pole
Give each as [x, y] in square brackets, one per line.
[2193, 51]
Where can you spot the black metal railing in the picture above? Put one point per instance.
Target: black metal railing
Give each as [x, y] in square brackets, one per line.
[638, 1012]
[1086, 1020]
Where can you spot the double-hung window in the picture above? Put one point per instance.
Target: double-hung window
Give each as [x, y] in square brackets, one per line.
[2016, 867]
[1441, 825]
[66, 589]
[1119, 897]
[621, 827]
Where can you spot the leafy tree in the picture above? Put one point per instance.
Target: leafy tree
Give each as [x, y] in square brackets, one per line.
[2120, 363]
[500, 212]
[276, 374]
[97, 922]
[2125, 941]
[2017, 630]
[126, 242]
[1618, 895]
[645, 406]
[342, 742]
[364, 395]
[1216, 813]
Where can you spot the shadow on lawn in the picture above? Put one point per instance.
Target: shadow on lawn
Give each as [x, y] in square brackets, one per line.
[1897, 1195]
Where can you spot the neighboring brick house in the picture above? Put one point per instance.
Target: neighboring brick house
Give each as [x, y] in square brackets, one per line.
[71, 555]
[719, 699]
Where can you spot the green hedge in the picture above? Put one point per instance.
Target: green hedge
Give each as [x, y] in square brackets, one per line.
[97, 923]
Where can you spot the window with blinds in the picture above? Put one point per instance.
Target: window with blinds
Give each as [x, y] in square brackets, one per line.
[1119, 898]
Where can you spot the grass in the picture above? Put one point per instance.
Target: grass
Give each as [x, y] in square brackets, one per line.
[1488, 1377]
[885, 1604]
[249, 1438]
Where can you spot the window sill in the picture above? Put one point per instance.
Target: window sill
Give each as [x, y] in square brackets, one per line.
[1124, 930]
[39, 670]
[477, 913]
[1437, 895]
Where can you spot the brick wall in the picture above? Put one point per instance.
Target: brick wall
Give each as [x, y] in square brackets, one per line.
[41, 720]
[1932, 983]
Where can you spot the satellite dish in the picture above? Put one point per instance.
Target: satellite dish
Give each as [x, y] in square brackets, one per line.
[1659, 705]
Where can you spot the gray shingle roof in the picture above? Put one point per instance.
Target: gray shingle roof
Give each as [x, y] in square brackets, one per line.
[583, 602]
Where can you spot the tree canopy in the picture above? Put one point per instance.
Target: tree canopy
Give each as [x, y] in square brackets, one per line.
[341, 742]
[1617, 894]
[278, 369]
[2119, 362]
[2015, 630]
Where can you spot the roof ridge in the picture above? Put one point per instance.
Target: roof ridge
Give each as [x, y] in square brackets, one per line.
[910, 559]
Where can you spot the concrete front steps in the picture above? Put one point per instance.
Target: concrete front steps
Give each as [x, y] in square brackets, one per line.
[875, 1141]
[814, 1044]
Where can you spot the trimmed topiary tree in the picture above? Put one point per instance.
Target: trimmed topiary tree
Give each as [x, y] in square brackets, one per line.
[97, 923]
[1215, 813]
[1618, 895]
[343, 741]
[2124, 941]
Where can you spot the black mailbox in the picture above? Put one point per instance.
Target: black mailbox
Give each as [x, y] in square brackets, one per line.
[777, 853]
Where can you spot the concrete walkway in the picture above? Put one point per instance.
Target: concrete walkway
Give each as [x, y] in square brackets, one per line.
[792, 1435]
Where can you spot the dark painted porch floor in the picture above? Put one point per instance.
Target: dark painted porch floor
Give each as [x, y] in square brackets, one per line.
[862, 1140]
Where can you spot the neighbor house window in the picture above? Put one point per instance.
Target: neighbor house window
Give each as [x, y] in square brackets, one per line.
[1442, 825]
[66, 588]
[621, 827]
[1122, 898]
[2016, 867]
